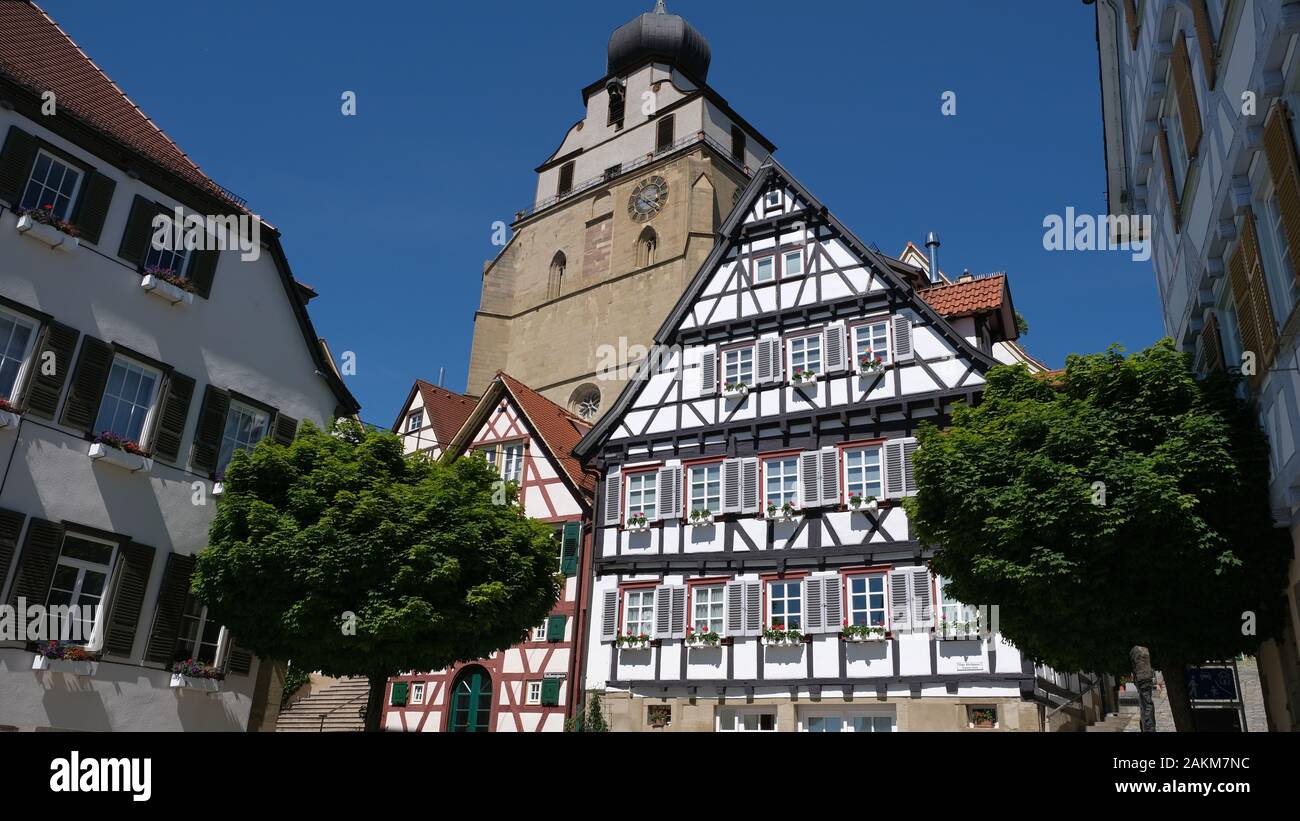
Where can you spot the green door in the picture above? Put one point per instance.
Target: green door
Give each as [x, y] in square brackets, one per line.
[471, 701]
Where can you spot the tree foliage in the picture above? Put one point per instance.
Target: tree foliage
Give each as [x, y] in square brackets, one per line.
[351, 558]
[1122, 503]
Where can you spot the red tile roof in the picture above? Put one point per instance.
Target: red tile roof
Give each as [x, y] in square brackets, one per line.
[36, 53]
[967, 297]
[445, 410]
[560, 430]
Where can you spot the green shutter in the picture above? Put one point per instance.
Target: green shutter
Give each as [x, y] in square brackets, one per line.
[212, 423]
[128, 599]
[87, 387]
[139, 231]
[555, 628]
[398, 698]
[58, 342]
[16, 164]
[96, 197]
[569, 549]
[551, 692]
[36, 563]
[171, 605]
[171, 421]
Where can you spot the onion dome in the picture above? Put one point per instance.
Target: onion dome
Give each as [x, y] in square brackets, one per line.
[663, 36]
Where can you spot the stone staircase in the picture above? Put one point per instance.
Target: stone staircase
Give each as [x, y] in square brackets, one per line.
[339, 708]
[1125, 721]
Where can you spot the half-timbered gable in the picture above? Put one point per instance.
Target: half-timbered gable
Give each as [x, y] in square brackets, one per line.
[430, 417]
[750, 544]
[527, 687]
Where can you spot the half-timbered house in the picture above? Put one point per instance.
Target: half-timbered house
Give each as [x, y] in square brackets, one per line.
[754, 569]
[528, 687]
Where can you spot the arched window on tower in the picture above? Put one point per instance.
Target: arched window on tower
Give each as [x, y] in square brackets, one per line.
[647, 247]
[556, 280]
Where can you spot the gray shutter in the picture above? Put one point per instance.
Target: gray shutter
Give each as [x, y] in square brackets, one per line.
[834, 357]
[734, 616]
[731, 486]
[922, 598]
[16, 164]
[171, 605]
[669, 483]
[753, 608]
[663, 625]
[36, 562]
[613, 498]
[900, 609]
[829, 470]
[749, 497]
[175, 412]
[44, 390]
[902, 339]
[286, 427]
[767, 360]
[240, 661]
[814, 603]
[678, 612]
[203, 269]
[810, 486]
[87, 386]
[139, 231]
[609, 615]
[907, 447]
[709, 371]
[11, 526]
[832, 596]
[212, 424]
[96, 197]
[895, 480]
[128, 598]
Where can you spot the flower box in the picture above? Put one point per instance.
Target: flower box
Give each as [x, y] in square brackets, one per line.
[218, 488]
[737, 390]
[639, 525]
[956, 636]
[9, 419]
[784, 513]
[163, 289]
[202, 685]
[854, 634]
[132, 462]
[701, 640]
[73, 667]
[703, 520]
[871, 505]
[46, 234]
[787, 641]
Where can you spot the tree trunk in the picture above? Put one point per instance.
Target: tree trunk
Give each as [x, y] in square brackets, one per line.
[1144, 678]
[375, 702]
[1179, 702]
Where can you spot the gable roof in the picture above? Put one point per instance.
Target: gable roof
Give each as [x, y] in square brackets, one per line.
[730, 233]
[37, 53]
[446, 411]
[967, 297]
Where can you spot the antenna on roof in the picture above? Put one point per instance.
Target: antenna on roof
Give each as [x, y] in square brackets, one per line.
[660, 8]
[442, 376]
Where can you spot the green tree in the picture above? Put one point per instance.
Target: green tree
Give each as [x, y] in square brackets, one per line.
[1122, 503]
[595, 715]
[350, 558]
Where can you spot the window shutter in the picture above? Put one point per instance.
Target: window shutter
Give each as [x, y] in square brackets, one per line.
[58, 342]
[87, 386]
[832, 596]
[11, 526]
[1169, 177]
[609, 615]
[731, 486]
[613, 497]
[753, 608]
[128, 598]
[171, 421]
[834, 342]
[203, 270]
[570, 544]
[734, 607]
[749, 501]
[767, 360]
[679, 612]
[138, 235]
[908, 448]
[398, 697]
[1189, 111]
[1212, 345]
[902, 339]
[240, 661]
[669, 503]
[830, 476]
[212, 423]
[171, 604]
[814, 606]
[550, 692]
[286, 427]
[555, 628]
[922, 597]
[36, 562]
[1250, 294]
[16, 164]
[1204, 39]
[1131, 17]
[663, 626]
[1279, 146]
[810, 485]
[895, 479]
[900, 606]
[92, 210]
[709, 371]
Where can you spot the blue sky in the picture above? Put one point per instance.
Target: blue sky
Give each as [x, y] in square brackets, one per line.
[388, 213]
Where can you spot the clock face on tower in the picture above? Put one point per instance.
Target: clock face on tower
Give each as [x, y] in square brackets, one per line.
[648, 198]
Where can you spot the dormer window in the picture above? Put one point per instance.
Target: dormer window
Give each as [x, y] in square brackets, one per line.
[772, 200]
[415, 421]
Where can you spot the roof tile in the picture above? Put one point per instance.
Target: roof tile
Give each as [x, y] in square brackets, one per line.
[967, 297]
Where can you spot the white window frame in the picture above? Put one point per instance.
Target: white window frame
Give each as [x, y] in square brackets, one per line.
[1171, 114]
[791, 494]
[67, 166]
[512, 462]
[845, 480]
[24, 365]
[82, 566]
[702, 500]
[219, 653]
[846, 718]
[716, 595]
[850, 612]
[739, 714]
[645, 611]
[417, 693]
[949, 609]
[646, 483]
[237, 407]
[539, 632]
[770, 259]
[809, 340]
[146, 428]
[772, 200]
[158, 257]
[1273, 248]
[786, 256]
[534, 695]
[869, 329]
[787, 598]
[739, 364]
[414, 421]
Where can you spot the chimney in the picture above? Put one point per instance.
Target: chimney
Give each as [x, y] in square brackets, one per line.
[932, 246]
[442, 377]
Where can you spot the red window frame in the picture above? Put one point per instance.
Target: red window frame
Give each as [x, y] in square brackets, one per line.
[847, 573]
[622, 598]
[875, 319]
[766, 579]
[686, 479]
[623, 490]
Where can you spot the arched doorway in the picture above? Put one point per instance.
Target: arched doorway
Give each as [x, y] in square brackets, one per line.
[471, 701]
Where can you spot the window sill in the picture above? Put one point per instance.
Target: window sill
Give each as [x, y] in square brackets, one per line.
[165, 290]
[705, 522]
[956, 636]
[72, 668]
[132, 462]
[47, 234]
[806, 382]
[202, 685]
[637, 528]
[9, 419]
[799, 642]
[865, 639]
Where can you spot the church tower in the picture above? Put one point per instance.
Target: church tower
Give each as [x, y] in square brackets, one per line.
[625, 213]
